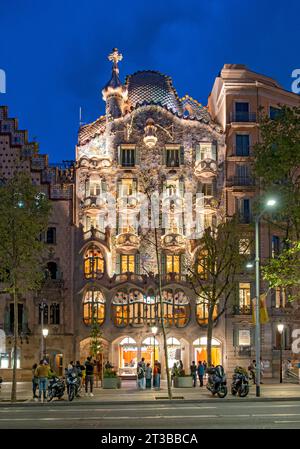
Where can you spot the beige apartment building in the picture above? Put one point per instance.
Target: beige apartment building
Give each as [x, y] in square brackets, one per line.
[98, 257]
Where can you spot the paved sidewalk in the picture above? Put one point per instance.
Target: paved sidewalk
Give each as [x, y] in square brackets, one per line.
[129, 393]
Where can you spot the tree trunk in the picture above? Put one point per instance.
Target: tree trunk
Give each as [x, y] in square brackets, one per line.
[158, 261]
[15, 346]
[210, 325]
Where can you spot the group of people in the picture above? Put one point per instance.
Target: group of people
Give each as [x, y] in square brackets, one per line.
[43, 373]
[198, 371]
[148, 377]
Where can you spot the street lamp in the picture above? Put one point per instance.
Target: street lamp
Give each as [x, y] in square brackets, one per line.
[154, 330]
[43, 306]
[271, 202]
[45, 333]
[280, 328]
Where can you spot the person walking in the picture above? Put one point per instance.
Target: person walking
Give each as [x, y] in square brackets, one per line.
[42, 372]
[89, 375]
[141, 371]
[148, 375]
[201, 371]
[193, 368]
[35, 381]
[251, 369]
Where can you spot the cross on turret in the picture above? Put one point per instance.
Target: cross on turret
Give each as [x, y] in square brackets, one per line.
[115, 56]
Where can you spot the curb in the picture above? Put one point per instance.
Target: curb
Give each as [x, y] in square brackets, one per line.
[28, 403]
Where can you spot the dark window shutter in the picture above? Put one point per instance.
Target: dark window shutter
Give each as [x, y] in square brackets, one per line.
[214, 151]
[164, 157]
[137, 263]
[198, 153]
[137, 156]
[119, 155]
[235, 336]
[181, 188]
[163, 264]
[118, 264]
[104, 186]
[181, 155]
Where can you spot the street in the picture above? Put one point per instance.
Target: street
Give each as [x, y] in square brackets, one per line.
[239, 414]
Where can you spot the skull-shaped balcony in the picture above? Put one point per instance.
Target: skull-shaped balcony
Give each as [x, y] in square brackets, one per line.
[94, 203]
[129, 203]
[206, 204]
[127, 241]
[173, 241]
[206, 168]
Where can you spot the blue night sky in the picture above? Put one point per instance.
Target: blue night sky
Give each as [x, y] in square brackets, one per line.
[54, 53]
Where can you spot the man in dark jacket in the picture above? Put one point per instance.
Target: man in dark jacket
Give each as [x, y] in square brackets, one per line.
[89, 376]
[194, 373]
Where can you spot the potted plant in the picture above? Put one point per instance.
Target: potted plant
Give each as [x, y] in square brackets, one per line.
[111, 379]
[182, 380]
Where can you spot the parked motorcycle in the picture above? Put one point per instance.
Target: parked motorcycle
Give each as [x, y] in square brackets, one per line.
[73, 385]
[56, 388]
[216, 382]
[240, 382]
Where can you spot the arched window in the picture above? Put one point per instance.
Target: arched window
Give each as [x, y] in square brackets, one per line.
[120, 309]
[93, 263]
[51, 236]
[52, 270]
[54, 313]
[43, 309]
[93, 307]
[202, 309]
[176, 308]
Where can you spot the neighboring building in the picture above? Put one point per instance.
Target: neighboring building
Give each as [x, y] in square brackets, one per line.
[203, 151]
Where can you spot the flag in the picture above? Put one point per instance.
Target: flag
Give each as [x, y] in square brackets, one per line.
[263, 311]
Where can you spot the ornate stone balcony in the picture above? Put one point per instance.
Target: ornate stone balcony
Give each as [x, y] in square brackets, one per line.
[173, 241]
[94, 234]
[208, 204]
[207, 168]
[127, 241]
[94, 202]
[128, 203]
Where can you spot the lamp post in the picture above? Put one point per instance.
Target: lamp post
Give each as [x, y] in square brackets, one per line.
[154, 330]
[43, 306]
[45, 333]
[270, 203]
[280, 328]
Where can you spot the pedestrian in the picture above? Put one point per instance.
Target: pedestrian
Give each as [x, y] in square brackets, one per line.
[41, 373]
[89, 375]
[173, 372]
[108, 365]
[35, 381]
[251, 369]
[158, 375]
[193, 368]
[205, 368]
[148, 375]
[180, 365]
[200, 369]
[141, 375]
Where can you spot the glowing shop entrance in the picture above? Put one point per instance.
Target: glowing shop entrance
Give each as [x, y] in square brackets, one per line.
[173, 351]
[200, 350]
[150, 350]
[127, 356]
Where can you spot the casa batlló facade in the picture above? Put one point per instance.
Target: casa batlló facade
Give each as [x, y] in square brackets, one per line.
[98, 258]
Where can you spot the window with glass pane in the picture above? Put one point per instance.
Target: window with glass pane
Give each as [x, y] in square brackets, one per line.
[275, 245]
[242, 112]
[95, 188]
[202, 264]
[274, 112]
[120, 309]
[172, 157]
[93, 263]
[207, 150]
[128, 157]
[127, 187]
[244, 210]
[242, 144]
[244, 246]
[12, 317]
[54, 314]
[173, 264]
[280, 297]
[127, 263]
[43, 308]
[202, 309]
[93, 307]
[244, 297]
[51, 236]
[127, 223]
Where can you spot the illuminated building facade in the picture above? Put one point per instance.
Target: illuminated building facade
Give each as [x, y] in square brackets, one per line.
[106, 268]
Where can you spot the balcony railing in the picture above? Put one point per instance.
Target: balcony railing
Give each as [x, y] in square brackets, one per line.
[94, 202]
[173, 241]
[206, 168]
[128, 202]
[239, 151]
[243, 117]
[127, 241]
[235, 181]
[207, 204]
[242, 310]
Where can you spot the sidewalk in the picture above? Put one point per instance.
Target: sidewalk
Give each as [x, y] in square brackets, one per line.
[129, 394]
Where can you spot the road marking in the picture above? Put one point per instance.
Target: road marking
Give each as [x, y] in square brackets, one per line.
[290, 421]
[110, 418]
[106, 409]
